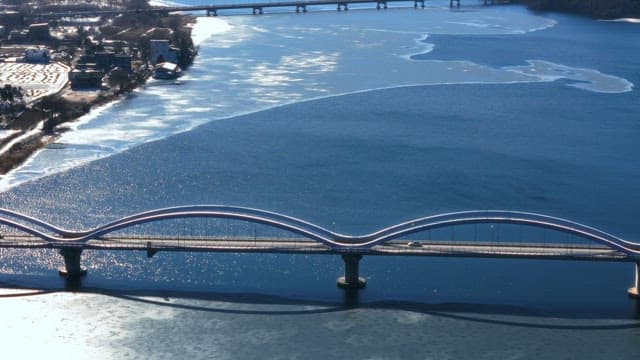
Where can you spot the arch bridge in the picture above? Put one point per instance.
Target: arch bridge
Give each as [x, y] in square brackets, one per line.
[218, 228]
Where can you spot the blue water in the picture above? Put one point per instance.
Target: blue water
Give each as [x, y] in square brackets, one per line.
[356, 162]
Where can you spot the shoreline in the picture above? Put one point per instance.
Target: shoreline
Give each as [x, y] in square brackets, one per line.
[22, 152]
[32, 123]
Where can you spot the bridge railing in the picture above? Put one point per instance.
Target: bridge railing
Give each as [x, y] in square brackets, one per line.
[238, 229]
[227, 222]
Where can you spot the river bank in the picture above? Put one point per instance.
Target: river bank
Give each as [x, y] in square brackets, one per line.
[477, 139]
[39, 124]
[138, 132]
[30, 134]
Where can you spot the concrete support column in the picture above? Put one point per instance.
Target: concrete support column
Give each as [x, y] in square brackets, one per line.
[351, 279]
[72, 267]
[635, 290]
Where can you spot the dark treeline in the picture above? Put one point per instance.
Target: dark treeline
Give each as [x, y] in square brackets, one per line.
[603, 9]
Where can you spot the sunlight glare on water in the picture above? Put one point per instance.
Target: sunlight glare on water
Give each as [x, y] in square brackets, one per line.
[353, 122]
[248, 64]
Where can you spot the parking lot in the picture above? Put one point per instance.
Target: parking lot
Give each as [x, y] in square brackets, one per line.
[37, 80]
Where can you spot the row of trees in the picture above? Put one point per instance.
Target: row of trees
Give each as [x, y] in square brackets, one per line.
[56, 110]
[11, 101]
[604, 9]
[11, 93]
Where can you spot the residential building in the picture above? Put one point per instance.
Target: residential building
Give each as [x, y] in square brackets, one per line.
[162, 51]
[85, 78]
[122, 61]
[11, 19]
[39, 32]
[104, 60]
[17, 36]
[160, 33]
[40, 55]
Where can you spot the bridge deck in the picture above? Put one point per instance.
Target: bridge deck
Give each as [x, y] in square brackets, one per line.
[306, 238]
[302, 246]
[271, 4]
[230, 6]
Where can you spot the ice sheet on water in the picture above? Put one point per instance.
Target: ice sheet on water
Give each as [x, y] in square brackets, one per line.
[626, 20]
[586, 79]
[248, 64]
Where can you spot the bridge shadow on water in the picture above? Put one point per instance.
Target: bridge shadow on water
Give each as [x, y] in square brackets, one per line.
[270, 305]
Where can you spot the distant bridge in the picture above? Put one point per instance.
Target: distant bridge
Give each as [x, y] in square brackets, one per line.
[256, 7]
[214, 228]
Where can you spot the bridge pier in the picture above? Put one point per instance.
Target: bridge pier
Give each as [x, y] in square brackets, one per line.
[381, 4]
[415, 3]
[351, 280]
[212, 11]
[257, 10]
[302, 8]
[72, 267]
[634, 291]
[454, 1]
[343, 5]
